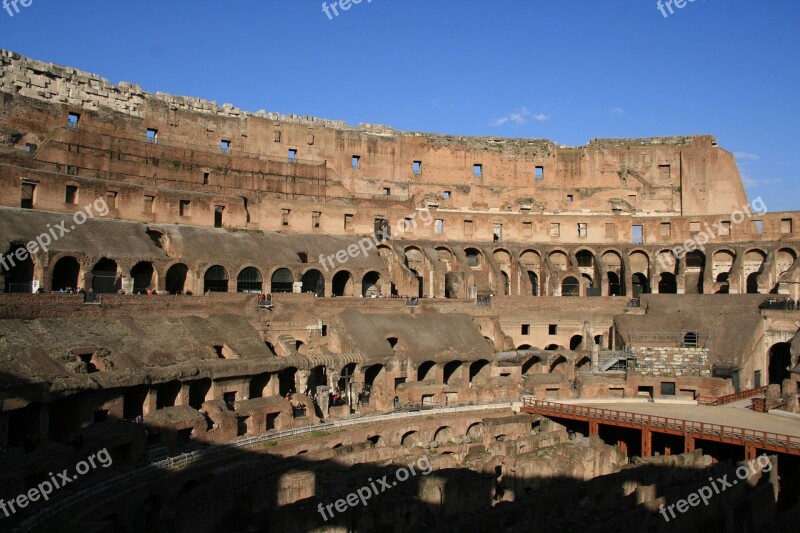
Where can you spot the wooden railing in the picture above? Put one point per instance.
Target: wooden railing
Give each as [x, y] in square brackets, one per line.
[730, 398]
[763, 440]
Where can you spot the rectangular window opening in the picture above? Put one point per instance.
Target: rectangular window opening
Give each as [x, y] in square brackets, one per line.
[285, 216]
[387, 191]
[477, 170]
[552, 329]
[225, 146]
[527, 229]
[111, 199]
[27, 195]
[356, 162]
[583, 229]
[183, 208]
[348, 222]
[555, 229]
[570, 198]
[446, 195]
[71, 196]
[316, 216]
[149, 204]
[218, 210]
[637, 234]
[417, 167]
[206, 175]
[526, 329]
[467, 228]
[292, 154]
[786, 225]
[30, 148]
[439, 226]
[666, 229]
[152, 136]
[539, 173]
[73, 120]
[758, 225]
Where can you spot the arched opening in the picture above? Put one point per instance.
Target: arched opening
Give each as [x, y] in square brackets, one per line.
[695, 268]
[667, 284]
[418, 265]
[473, 258]
[286, 381]
[198, 392]
[167, 394]
[370, 285]
[215, 279]
[250, 280]
[584, 364]
[570, 287]
[452, 284]
[479, 370]
[614, 272]
[780, 358]
[443, 435]
[342, 284]
[475, 431]
[19, 278]
[143, 274]
[559, 365]
[559, 260]
[640, 284]
[534, 279]
[346, 378]
[752, 283]
[176, 278]
[314, 283]
[411, 439]
[66, 273]
[532, 366]
[614, 287]
[376, 441]
[575, 342]
[372, 374]
[506, 283]
[551, 347]
[282, 281]
[258, 385]
[105, 279]
[452, 371]
[425, 371]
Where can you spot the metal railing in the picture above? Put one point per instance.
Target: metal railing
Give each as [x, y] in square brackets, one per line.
[730, 398]
[196, 456]
[764, 440]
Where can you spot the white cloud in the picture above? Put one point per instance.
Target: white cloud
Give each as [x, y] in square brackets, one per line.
[616, 111]
[751, 182]
[520, 116]
[745, 156]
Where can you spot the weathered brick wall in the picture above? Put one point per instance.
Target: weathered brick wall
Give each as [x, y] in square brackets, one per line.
[672, 362]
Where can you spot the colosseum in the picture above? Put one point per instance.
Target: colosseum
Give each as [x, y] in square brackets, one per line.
[221, 320]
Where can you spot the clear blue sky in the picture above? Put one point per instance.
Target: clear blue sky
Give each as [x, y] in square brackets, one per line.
[567, 70]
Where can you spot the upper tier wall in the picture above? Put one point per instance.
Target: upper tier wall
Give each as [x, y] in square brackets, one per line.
[672, 175]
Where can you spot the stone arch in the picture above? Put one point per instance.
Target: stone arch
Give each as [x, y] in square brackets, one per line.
[176, 279]
[282, 281]
[371, 285]
[532, 366]
[474, 258]
[144, 277]
[313, 282]
[480, 370]
[66, 273]
[452, 371]
[584, 364]
[447, 258]
[475, 431]
[640, 277]
[425, 371]
[215, 279]
[532, 262]
[570, 286]
[721, 265]
[443, 435]
[411, 439]
[342, 284]
[779, 360]
[753, 267]
[105, 277]
[559, 260]
[249, 280]
[558, 365]
[695, 272]
[576, 342]
[615, 272]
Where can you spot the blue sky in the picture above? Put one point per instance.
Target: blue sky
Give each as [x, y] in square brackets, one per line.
[567, 70]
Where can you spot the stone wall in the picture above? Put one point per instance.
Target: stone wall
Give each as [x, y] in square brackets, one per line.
[672, 362]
